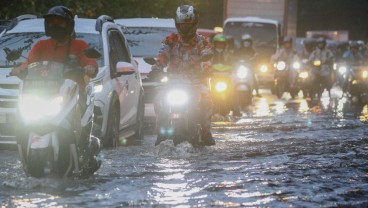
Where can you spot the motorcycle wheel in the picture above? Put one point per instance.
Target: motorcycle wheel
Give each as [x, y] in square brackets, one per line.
[36, 163]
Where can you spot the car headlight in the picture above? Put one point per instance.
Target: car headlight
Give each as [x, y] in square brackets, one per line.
[33, 107]
[304, 75]
[263, 68]
[164, 79]
[365, 74]
[281, 65]
[177, 97]
[221, 86]
[342, 69]
[242, 72]
[97, 87]
[296, 65]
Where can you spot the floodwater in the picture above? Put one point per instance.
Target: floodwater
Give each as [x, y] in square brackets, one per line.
[280, 153]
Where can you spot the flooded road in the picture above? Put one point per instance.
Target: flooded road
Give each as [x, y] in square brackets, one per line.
[280, 153]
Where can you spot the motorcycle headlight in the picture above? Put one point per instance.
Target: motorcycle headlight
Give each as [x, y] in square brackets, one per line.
[342, 69]
[242, 72]
[263, 68]
[33, 107]
[177, 97]
[317, 62]
[221, 86]
[365, 74]
[281, 65]
[304, 75]
[296, 65]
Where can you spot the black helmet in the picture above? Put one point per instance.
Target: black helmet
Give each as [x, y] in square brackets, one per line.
[186, 15]
[63, 12]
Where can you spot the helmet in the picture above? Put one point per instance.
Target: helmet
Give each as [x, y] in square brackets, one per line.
[219, 38]
[58, 32]
[186, 21]
[321, 43]
[246, 40]
[219, 42]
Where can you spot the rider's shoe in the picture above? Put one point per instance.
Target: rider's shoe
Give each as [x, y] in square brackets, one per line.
[207, 139]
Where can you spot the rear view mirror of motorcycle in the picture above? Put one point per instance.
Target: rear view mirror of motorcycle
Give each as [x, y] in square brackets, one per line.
[150, 60]
[92, 53]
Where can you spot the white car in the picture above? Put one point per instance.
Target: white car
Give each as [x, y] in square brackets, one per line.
[145, 36]
[118, 86]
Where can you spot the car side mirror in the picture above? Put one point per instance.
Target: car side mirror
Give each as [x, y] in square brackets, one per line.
[124, 68]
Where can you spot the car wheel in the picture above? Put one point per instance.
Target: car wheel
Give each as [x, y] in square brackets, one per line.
[112, 132]
[138, 135]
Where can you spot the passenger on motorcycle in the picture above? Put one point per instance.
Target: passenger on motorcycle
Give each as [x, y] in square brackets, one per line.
[322, 59]
[182, 52]
[61, 46]
[247, 53]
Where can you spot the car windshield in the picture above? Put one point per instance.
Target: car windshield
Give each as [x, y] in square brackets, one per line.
[22, 43]
[264, 34]
[146, 41]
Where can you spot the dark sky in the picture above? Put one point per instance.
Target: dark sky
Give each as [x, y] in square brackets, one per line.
[351, 15]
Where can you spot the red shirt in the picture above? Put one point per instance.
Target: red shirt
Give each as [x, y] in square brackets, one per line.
[49, 50]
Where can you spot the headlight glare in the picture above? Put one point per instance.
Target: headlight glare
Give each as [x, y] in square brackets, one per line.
[33, 107]
[221, 86]
[342, 69]
[177, 97]
[242, 72]
[281, 65]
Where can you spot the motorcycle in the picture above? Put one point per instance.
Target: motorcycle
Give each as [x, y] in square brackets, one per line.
[221, 92]
[304, 79]
[285, 79]
[243, 85]
[55, 128]
[179, 111]
[355, 81]
[321, 78]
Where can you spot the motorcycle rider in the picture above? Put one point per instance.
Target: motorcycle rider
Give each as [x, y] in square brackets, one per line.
[325, 56]
[247, 52]
[220, 50]
[61, 47]
[353, 56]
[181, 52]
[286, 52]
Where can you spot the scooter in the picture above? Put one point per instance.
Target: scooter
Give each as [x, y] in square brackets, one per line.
[179, 112]
[54, 128]
[321, 79]
[243, 85]
[221, 89]
[286, 77]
